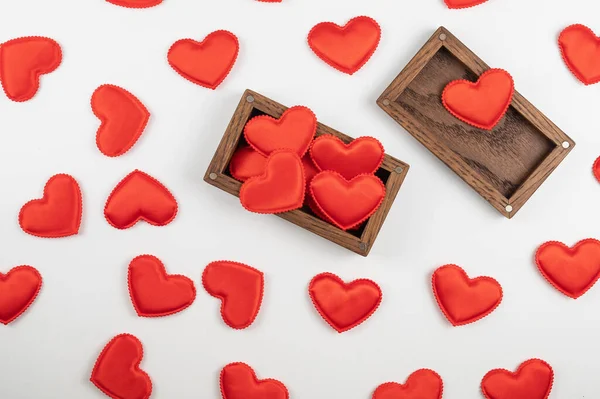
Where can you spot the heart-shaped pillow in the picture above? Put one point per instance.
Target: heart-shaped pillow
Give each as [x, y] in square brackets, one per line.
[580, 49]
[532, 380]
[463, 3]
[246, 163]
[18, 289]
[422, 384]
[481, 104]
[239, 381]
[135, 3]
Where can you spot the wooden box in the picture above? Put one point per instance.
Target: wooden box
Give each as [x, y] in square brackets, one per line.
[505, 165]
[392, 172]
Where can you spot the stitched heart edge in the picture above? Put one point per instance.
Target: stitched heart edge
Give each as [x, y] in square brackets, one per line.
[480, 2]
[134, 6]
[281, 384]
[335, 138]
[566, 60]
[37, 291]
[521, 366]
[408, 378]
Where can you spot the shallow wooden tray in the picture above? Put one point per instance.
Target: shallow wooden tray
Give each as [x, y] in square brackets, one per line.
[392, 172]
[505, 165]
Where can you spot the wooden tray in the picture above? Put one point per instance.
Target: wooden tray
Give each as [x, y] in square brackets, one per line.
[505, 166]
[392, 172]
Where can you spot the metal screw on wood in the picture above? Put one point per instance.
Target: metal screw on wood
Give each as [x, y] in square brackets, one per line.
[508, 208]
[443, 36]
[566, 144]
[386, 102]
[250, 99]
[363, 246]
[398, 169]
[213, 176]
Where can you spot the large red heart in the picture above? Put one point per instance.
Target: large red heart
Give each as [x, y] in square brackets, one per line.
[580, 49]
[481, 104]
[572, 271]
[123, 118]
[23, 60]
[117, 370]
[463, 3]
[464, 300]
[347, 203]
[239, 381]
[155, 293]
[422, 384]
[139, 196]
[18, 289]
[206, 63]
[344, 305]
[135, 3]
[293, 131]
[532, 380]
[345, 48]
[57, 213]
[279, 189]
[239, 287]
[363, 155]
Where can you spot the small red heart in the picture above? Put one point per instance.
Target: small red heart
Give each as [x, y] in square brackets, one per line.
[279, 189]
[139, 196]
[18, 289]
[293, 131]
[57, 213]
[123, 118]
[422, 384]
[532, 380]
[481, 104]
[345, 48]
[363, 155]
[155, 293]
[135, 3]
[22, 61]
[464, 300]
[347, 203]
[463, 3]
[117, 370]
[246, 163]
[572, 271]
[206, 63]
[580, 49]
[596, 169]
[239, 381]
[344, 305]
[239, 287]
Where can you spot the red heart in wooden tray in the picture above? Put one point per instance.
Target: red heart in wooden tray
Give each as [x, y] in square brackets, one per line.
[422, 384]
[135, 3]
[580, 49]
[18, 289]
[483, 103]
[246, 163]
[532, 380]
[463, 3]
[239, 381]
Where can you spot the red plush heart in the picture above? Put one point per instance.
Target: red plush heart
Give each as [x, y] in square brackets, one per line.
[117, 370]
[463, 3]
[344, 305]
[363, 155]
[596, 169]
[464, 300]
[137, 197]
[22, 61]
[57, 213]
[246, 163]
[347, 203]
[279, 189]
[572, 271]
[135, 3]
[580, 49]
[345, 48]
[293, 131]
[206, 63]
[18, 289]
[123, 118]
[239, 381]
[481, 104]
[240, 289]
[422, 384]
[155, 293]
[532, 380]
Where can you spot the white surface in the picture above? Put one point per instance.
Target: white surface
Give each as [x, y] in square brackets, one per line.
[436, 219]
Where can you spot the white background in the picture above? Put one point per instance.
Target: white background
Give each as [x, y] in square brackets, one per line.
[436, 219]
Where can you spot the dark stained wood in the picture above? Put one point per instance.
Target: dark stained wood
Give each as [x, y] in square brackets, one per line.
[392, 172]
[505, 165]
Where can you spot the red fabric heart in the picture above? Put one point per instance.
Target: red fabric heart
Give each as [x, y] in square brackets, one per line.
[344, 305]
[135, 3]
[246, 163]
[293, 131]
[239, 381]
[580, 49]
[572, 271]
[239, 287]
[18, 289]
[22, 61]
[206, 63]
[123, 118]
[347, 203]
[57, 213]
[363, 155]
[464, 300]
[532, 380]
[117, 370]
[345, 48]
[422, 384]
[596, 169]
[279, 189]
[155, 293]
[139, 196]
[481, 104]
[463, 3]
